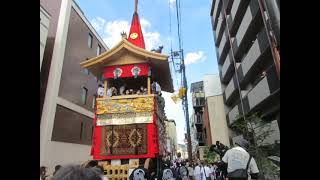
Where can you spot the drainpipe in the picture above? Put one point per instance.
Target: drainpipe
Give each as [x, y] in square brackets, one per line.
[274, 14]
[271, 38]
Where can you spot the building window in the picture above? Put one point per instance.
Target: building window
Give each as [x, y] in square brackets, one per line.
[84, 94]
[81, 129]
[98, 50]
[90, 38]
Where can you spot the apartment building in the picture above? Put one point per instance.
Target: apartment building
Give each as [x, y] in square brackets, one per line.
[246, 38]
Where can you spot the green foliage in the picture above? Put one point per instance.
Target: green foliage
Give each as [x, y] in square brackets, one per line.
[251, 128]
[209, 156]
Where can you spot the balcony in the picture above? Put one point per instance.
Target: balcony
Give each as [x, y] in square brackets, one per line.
[264, 93]
[198, 99]
[220, 29]
[248, 29]
[234, 113]
[237, 12]
[200, 137]
[198, 119]
[228, 5]
[224, 47]
[258, 56]
[227, 69]
[231, 92]
[216, 12]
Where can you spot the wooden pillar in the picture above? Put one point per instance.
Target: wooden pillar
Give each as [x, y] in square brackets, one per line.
[149, 86]
[105, 88]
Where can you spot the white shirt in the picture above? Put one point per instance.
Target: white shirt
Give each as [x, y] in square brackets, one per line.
[190, 170]
[158, 88]
[199, 173]
[122, 88]
[100, 91]
[207, 170]
[237, 158]
[109, 92]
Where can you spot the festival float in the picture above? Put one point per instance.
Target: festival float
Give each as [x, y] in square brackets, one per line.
[129, 130]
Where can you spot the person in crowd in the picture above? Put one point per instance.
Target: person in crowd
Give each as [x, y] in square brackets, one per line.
[56, 168]
[122, 89]
[190, 167]
[101, 170]
[114, 92]
[207, 170]
[110, 92]
[100, 91]
[43, 173]
[127, 92]
[92, 163]
[139, 92]
[213, 171]
[76, 172]
[145, 91]
[199, 171]
[238, 158]
[156, 89]
[131, 91]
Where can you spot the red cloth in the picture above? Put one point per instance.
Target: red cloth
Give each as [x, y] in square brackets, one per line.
[135, 35]
[153, 148]
[126, 70]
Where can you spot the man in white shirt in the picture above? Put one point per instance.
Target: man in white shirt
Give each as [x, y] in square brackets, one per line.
[100, 91]
[238, 157]
[199, 173]
[207, 171]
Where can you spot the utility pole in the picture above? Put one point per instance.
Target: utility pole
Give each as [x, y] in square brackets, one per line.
[184, 82]
[185, 103]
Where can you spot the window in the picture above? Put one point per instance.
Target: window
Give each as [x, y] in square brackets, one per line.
[90, 40]
[98, 50]
[81, 129]
[84, 95]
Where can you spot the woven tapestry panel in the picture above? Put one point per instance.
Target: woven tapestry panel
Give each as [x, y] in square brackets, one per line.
[124, 140]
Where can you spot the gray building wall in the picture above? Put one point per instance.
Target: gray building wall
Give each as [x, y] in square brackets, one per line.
[244, 55]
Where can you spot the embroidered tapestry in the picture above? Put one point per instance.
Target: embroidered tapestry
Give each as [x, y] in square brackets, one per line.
[124, 140]
[125, 105]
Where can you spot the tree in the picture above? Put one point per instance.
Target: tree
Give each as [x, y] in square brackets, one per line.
[209, 156]
[256, 130]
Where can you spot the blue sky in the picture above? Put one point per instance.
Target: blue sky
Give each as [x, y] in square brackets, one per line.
[110, 17]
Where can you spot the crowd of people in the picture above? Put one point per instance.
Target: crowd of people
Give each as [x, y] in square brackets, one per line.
[236, 164]
[124, 90]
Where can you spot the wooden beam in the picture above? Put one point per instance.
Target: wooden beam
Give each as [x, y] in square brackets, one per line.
[105, 88]
[149, 88]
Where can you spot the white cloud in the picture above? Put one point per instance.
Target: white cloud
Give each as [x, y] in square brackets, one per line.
[194, 57]
[111, 31]
[98, 23]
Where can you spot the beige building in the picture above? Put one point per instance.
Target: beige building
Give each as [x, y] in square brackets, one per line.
[214, 109]
[67, 90]
[215, 123]
[172, 136]
[44, 27]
